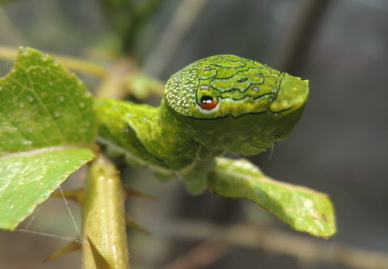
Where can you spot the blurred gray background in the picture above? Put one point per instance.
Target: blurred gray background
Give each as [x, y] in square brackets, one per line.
[339, 146]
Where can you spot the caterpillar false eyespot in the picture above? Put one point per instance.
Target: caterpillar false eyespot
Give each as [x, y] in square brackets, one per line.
[208, 102]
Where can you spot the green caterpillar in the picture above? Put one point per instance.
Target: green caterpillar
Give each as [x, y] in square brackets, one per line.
[218, 104]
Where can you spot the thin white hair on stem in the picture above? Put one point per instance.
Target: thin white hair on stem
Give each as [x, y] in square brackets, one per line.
[28, 224]
[32, 218]
[65, 238]
[78, 231]
[272, 150]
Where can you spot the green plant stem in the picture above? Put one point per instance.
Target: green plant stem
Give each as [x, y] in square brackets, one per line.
[104, 233]
[72, 63]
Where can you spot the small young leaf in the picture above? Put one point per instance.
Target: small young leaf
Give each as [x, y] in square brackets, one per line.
[302, 208]
[46, 121]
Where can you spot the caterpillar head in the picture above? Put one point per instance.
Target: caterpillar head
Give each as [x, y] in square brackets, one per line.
[253, 103]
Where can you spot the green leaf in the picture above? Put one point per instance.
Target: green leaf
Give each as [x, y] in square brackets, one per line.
[27, 179]
[43, 104]
[302, 208]
[47, 124]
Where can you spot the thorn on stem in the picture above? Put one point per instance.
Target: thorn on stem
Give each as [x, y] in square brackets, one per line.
[74, 195]
[72, 246]
[133, 224]
[101, 262]
[130, 192]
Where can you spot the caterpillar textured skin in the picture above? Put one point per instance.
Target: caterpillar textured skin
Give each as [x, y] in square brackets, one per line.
[218, 104]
